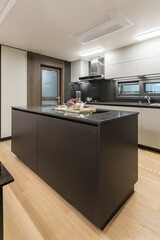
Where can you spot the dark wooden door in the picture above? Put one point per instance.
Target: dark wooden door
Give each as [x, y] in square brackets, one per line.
[67, 160]
[24, 137]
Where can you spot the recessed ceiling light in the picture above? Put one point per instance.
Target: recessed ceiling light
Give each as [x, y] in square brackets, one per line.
[147, 35]
[92, 52]
[5, 8]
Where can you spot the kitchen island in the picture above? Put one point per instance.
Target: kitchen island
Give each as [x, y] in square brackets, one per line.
[91, 160]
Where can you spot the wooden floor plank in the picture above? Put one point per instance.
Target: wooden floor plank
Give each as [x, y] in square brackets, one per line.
[34, 211]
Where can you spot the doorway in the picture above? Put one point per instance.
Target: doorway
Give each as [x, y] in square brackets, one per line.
[50, 86]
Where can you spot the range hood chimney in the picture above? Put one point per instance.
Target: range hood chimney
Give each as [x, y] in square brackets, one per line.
[96, 70]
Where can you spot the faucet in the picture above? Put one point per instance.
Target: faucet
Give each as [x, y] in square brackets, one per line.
[148, 99]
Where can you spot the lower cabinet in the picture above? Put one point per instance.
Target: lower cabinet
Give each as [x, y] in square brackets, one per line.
[24, 137]
[133, 109]
[113, 108]
[86, 164]
[67, 161]
[148, 124]
[106, 107]
[151, 127]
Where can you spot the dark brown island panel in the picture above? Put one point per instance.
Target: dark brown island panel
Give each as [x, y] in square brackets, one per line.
[91, 161]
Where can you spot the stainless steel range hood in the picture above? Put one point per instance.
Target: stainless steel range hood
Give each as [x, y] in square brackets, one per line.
[96, 70]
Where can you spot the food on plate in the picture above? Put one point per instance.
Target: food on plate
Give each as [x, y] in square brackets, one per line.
[71, 102]
[74, 104]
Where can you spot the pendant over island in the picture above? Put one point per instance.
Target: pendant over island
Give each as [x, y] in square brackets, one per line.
[90, 160]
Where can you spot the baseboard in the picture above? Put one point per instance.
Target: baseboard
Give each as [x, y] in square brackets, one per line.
[5, 139]
[149, 148]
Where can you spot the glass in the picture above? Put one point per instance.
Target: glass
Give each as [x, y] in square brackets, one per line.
[78, 95]
[130, 89]
[49, 83]
[152, 87]
[49, 102]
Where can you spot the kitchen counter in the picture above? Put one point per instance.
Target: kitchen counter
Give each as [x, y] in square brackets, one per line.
[92, 161]
[93, 119]
[126, 104]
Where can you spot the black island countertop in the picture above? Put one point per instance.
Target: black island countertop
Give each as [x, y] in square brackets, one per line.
[127, 104]
[100, 117]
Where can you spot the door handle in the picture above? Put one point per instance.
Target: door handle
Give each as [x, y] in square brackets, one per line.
[58, 98]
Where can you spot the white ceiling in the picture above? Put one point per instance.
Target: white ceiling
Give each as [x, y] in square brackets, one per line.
[42, 26]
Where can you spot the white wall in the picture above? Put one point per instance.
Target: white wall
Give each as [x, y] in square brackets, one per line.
[138, 59]
[13, 84]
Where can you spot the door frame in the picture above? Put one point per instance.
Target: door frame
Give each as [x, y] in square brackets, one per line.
[34, 63]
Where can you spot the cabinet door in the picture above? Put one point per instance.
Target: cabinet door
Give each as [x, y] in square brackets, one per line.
[117, 108]
[79, 68]
[84, 68]
[67, 160]
[149, 65]
[133, 109]
[75, 70]
[151, 127]
[24, 137]
[121, 70]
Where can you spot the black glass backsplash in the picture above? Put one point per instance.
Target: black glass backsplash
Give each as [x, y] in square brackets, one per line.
[100, 90]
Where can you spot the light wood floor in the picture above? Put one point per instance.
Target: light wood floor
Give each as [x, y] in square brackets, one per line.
[34, 211]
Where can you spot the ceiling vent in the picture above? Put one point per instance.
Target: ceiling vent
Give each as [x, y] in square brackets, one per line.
[110, 23]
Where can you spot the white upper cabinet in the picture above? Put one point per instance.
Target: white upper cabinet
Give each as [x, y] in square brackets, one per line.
[147, 49]
[84, 68]
[149, 65]
[121, 55]
[79, 68]
[121, 70]
[138, 59]
[75, 71]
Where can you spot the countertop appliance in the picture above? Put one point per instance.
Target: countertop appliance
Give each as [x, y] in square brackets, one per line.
[89, 99]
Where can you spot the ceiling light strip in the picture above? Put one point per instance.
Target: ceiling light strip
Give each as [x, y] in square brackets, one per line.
[91, 52]
[7, 9]
[147, 35]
